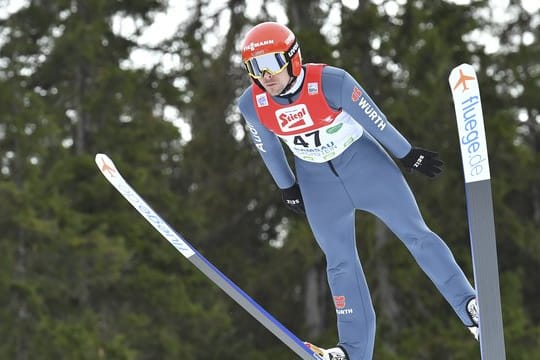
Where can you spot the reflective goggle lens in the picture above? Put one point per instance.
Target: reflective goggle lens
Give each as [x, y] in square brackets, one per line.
[272, 63]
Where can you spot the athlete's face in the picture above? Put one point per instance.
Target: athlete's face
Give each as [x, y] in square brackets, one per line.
[274, 84]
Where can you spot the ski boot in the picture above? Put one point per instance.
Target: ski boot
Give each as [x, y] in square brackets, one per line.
[336, 353]
[472, 310]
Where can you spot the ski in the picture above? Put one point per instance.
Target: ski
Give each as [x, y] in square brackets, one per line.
[474, 154]
[111, 173]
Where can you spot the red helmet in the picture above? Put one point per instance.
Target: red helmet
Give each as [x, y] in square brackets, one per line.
[271, 38]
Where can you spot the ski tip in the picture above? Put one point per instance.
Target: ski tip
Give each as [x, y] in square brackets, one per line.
[467, 68]
[100, 158]
[105, 165]
[463, 66]
[460, 76]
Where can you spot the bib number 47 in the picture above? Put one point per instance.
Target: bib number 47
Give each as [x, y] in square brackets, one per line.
[311, 139]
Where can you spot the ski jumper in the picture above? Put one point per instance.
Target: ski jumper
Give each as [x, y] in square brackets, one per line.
[337, 133]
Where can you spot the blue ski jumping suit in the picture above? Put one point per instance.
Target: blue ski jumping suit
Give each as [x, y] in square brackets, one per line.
[340, 140]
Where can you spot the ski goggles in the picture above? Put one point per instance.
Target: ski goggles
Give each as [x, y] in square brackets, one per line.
[273, 64]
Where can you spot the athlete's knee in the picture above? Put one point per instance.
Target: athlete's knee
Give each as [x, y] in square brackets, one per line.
[341, 266]
[419, 239]
[335, 266]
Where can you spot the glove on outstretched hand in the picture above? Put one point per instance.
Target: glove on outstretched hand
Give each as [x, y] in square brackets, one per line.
[424, 161]
[293, 199]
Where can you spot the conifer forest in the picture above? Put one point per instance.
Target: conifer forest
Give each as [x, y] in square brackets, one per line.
[83, 276]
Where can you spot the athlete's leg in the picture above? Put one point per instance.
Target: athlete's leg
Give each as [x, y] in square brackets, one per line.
[331, 216]
[427, 248]
[387, 195]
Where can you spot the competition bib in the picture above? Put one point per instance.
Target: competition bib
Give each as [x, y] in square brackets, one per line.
[323, 143]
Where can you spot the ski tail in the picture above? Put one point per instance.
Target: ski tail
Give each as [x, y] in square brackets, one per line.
[111, 173]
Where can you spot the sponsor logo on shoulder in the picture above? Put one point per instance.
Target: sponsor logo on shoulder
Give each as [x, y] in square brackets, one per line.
[356, 94]
[262, 100]
[313, 88]
[368, 108]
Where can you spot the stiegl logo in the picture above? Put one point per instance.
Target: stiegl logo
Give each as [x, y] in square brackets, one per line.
[294, 118]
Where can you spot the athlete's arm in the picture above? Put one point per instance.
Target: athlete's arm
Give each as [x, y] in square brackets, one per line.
[343, 91]
[267, 143]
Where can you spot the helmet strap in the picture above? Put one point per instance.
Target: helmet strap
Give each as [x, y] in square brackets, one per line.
[289, 85]
[258, 83]
[294, 85]
[293, 49]
[289, 54]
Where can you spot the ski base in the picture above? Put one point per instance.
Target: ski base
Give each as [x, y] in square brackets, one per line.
[111, 173]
